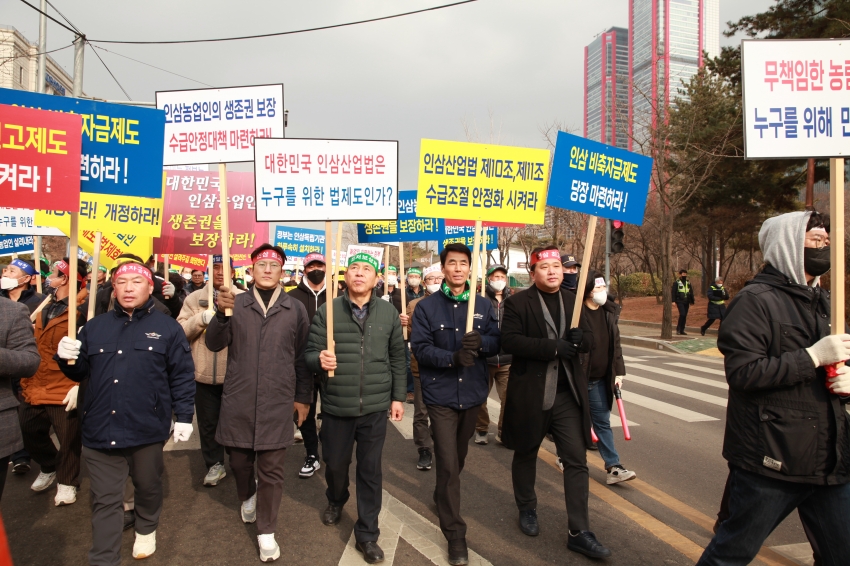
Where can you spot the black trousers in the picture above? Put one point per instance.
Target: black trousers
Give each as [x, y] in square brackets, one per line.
[308, 429]
[451, 430]
[269, 484]
[338, 437]
[207, 409]
[4, 469]
[109, 470]
[566, 426]
[683, 316]
[421, 434]
[35, 428]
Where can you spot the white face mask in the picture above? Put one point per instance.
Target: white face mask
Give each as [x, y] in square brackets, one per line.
[8, 283]
[433, 288]
[392, 280]
[413, 281]
[600, 297]
[498, 285]
[248, 278]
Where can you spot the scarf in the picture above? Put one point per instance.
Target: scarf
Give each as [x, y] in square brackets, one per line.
[462, 298]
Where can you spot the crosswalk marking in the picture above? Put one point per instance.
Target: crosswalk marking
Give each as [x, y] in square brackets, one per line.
[698, 368]
[634, 359]
[682, 376]
[678, 390]
[665, 408]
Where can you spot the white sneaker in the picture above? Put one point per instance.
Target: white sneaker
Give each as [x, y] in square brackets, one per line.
[65, 494]
[269, 550]
[498, 438]
[310, 467]
[619, 474]
[249, 509]
[560, 464]
[480, 437]
[43, 481]
[298, 437]
[144, 546]
[215, 474]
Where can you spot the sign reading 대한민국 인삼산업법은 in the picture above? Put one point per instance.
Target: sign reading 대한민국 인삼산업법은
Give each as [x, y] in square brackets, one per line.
[121, 151]
[408, 228]
[598, 179]
[298, 242]
[473, 181]
[796, 98]
[218, 125]
[325, 180]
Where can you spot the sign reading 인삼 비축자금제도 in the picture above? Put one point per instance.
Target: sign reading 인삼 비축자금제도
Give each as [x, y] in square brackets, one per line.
[324, 180]
[796, 98]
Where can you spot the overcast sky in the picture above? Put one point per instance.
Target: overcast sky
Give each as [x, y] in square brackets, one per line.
[415, 77]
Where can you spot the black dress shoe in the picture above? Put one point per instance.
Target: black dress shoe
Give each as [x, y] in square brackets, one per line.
[129, 519]
[424, 463]
[372, 553]
[585, 543]
[332, 515]
[458, 554]
[593, 446]
[528, 523]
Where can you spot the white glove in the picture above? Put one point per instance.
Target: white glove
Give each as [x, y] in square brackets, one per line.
[69, 349]
[840, 384]
[207, 316]
[168, 289]
[618, 381]
[70, 400]
[182, 431]
[830, 349]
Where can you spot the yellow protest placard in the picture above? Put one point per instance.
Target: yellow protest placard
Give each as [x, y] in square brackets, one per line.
[116, 214]
[472, 181]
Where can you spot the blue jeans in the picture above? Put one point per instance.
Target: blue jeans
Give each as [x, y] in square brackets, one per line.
[600, 416]
[757, 504]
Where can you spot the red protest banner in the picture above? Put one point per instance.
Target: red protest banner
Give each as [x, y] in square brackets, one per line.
[188, 260]
[191, 218]
[39, 159]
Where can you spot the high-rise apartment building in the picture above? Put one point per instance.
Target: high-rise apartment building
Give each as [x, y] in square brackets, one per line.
[606, 88]
[667, 41]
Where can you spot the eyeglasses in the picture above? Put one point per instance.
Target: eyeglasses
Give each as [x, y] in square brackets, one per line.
[433, 280]
[263, 265]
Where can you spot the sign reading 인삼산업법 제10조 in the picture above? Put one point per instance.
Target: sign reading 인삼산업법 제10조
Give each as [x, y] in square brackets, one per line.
[473, 181]
[218, 125]
[598, 179]
[325, 180]
[298, 242]
[408, 228]
[121, 151]
[796, 98]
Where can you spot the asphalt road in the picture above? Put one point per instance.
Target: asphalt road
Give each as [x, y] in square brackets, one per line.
[676, 409]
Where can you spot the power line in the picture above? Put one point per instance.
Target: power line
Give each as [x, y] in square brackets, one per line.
[433, 8]
[12, 58]
[50, 17]
[108, 70]
[149, 65]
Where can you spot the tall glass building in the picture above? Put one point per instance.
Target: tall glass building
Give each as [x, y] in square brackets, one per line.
[668, 38]
[606, 88]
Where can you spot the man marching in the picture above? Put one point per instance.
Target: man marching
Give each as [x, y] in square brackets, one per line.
[266, 381]
[140, 372]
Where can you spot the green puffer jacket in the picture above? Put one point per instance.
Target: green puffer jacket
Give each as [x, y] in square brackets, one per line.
[371, 362]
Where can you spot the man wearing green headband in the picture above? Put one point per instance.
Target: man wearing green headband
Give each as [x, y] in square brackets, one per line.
[414, 291]
[368, 361]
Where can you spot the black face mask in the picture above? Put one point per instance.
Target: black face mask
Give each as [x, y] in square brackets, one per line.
[316, 276]
[816, 261]
[570, 281]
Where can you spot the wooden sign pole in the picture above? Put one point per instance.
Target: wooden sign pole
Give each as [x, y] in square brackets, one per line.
[211, 286]
[72, 276]
[483, 261]
[40, 307]
[476, 253]
[836, 244]
[582, 277]
[402, 285]
[225, 229]
[387, 270]
[338, 259]
[37, 262]
[329, 304]
[94, 268]
[165, 267]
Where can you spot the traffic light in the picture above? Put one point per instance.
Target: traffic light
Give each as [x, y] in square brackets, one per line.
[617, 236]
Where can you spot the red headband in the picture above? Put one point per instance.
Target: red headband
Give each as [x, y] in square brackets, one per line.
[65, 269]
[134, 269]
[268, 254]
[545, 254]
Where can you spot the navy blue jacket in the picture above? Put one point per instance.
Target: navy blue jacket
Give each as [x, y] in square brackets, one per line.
[140, 369]
[438, 326]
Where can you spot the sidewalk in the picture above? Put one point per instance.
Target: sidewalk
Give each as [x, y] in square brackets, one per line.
[693, 343]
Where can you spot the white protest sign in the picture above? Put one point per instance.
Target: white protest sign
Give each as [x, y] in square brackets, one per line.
[377, 253]
[22, 221]
[796, 98]
[314, 180]
[218, 125]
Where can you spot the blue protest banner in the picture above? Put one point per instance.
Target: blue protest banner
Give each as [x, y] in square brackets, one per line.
[408, 227]
[298, 242]
[16, 245]
[599, 179]
[466, 235]
[122, 145]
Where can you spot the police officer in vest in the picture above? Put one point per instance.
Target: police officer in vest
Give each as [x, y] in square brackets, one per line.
[683, 297]
[717, 297]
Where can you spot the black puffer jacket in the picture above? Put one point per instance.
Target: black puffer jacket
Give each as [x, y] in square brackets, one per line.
[781, 421]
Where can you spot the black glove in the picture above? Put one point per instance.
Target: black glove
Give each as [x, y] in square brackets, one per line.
[575, 335]
[471, 341]
[463, 358]
[566, 350]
